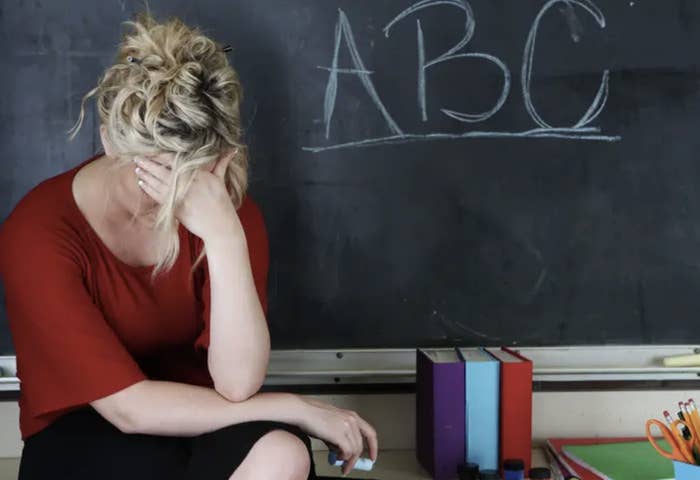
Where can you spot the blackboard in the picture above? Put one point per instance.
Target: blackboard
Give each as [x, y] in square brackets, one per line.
[480, 172]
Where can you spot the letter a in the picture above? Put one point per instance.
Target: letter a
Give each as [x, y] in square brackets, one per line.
[343, 27]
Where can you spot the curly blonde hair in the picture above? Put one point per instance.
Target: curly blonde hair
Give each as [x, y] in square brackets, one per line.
[172, 89]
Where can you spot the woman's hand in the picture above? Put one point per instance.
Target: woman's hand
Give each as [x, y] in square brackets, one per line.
[206, 210]
[342, 430]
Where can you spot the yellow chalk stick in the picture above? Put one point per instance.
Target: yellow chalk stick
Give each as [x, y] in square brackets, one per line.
[682, 361]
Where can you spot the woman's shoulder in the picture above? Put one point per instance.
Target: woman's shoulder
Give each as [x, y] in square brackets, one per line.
[43, 212]
[46, 201]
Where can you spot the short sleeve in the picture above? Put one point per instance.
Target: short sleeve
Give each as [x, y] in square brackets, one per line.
[258, 251]
[67, 354]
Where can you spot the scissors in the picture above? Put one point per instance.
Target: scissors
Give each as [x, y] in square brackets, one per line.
[681, 449]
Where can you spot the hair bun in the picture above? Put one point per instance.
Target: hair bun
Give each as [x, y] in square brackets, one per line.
[205, 84]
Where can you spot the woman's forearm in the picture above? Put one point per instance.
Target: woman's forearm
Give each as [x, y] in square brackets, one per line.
[239, 341]
[178, 409]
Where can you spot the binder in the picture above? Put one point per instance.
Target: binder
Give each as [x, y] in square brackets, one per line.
[482, 399]
[440, 391]
[515, 434]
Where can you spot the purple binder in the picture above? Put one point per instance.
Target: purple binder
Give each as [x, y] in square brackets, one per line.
[440, 423]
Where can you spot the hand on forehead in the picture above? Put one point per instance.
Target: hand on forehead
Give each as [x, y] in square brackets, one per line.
[166, 158]
[163, 158]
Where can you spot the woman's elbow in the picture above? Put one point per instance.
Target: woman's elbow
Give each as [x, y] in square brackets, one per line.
[236, 385]
[129, 424]
[232, 395]
[235, 390]
[120, 410]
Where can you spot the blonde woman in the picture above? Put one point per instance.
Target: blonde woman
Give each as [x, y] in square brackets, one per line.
[135, 290]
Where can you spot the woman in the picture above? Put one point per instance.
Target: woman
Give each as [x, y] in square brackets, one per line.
[135, 290]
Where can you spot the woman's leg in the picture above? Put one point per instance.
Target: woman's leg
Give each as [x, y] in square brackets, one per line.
[252, 450]
[83, 445]
[277, 455]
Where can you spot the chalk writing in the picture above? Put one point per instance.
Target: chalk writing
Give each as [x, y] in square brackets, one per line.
[581, 130]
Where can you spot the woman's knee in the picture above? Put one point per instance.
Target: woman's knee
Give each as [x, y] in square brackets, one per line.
[283, 452]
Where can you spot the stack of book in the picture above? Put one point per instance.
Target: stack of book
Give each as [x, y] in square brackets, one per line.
[610, 458]
[473, 405]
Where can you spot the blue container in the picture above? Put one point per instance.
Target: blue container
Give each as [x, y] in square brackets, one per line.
[686, 471]
[513, 469]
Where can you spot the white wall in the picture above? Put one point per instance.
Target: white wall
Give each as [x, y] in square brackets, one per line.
[555, 414]
[10, 443]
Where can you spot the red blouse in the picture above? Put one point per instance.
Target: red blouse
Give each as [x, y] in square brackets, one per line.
[85, 324]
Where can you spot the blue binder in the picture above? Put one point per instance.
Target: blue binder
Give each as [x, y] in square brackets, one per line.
[482, 392]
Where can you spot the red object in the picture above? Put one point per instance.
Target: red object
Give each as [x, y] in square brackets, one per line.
[85, 324]
[583, 473]
[516, 409]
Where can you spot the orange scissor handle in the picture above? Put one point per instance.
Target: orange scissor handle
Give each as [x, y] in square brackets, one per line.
[680, 440]
[679, 450]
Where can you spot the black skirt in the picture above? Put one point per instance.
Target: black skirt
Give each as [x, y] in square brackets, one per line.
[83, 445]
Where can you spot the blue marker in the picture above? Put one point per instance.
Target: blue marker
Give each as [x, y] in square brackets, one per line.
[362, 463]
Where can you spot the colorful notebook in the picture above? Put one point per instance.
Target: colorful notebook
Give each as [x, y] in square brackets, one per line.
[515, 435]
[440, 390]
[482, 395]
[622, 461]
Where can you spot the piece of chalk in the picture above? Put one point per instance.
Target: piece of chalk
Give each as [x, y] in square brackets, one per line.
[682, 361]
[364, 464]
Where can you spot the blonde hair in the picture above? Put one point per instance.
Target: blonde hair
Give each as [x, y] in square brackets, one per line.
[172, 89]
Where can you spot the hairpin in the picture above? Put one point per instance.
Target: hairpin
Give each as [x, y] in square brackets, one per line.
[132, 59]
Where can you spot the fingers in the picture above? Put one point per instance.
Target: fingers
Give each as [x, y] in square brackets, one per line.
[365, 430]
[349, 464]
[165, 159]
[155, 169]
[354, 441]
[350, 456]
[357, 436]
[371, 437]
[150, 184]
[153, 192]
[356, 429]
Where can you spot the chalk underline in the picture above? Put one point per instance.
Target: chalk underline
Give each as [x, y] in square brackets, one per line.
[586, 134]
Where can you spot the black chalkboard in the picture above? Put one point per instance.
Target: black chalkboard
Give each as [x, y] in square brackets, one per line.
[482, 172]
